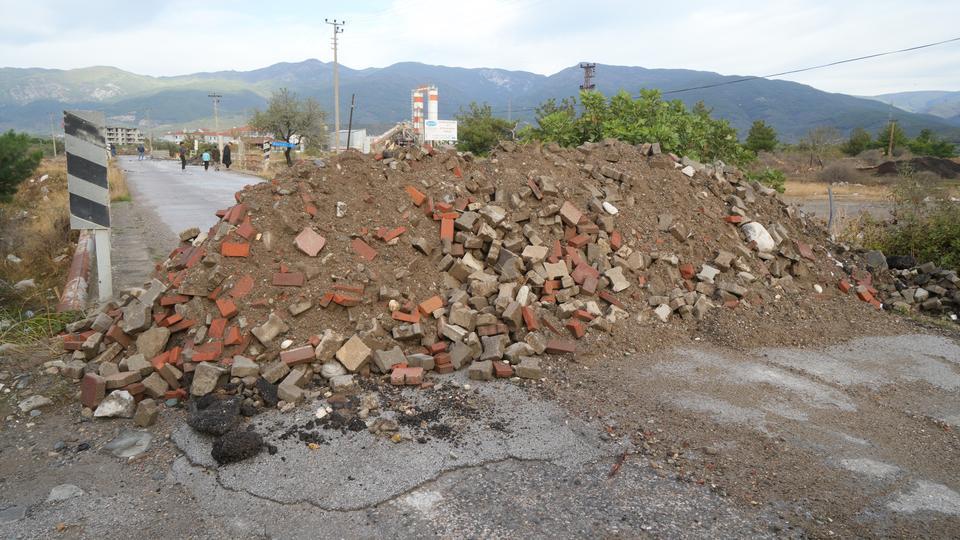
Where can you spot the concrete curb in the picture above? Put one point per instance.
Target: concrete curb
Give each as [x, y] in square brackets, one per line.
[76, 291]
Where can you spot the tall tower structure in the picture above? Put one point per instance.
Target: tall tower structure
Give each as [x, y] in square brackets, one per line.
[588, 72]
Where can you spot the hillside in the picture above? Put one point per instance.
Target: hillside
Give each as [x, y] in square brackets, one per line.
[937, 103]
[29, 96]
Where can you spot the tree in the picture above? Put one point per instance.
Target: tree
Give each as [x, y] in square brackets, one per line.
[884, 135]
[817, 141]
[928, 144]
[290, 119]
[761, 137]
[649, 118]
[17, 162]
[479, 131]
[859, 141]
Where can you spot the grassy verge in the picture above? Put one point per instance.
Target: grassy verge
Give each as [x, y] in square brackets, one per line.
[119, 192]
[35, 230]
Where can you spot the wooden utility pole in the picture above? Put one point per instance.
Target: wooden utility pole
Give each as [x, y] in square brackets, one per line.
[336, 81]
[53, 134]
[890, 144]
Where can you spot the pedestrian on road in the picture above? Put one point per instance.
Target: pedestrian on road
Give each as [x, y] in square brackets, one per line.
[206, 160]
[183, 157]
[140, 151]
[226, 156]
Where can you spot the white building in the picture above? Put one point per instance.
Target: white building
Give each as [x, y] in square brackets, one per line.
[120, 136]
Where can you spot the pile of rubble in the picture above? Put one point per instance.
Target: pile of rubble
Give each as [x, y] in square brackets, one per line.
[902, 285]
[426, 262]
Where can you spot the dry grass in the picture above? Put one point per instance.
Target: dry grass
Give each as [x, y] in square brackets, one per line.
[36, 228]
[117, 181]
[818, 190]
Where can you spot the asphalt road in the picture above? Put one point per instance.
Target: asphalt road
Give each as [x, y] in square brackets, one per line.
[165, 201]
[185, 198]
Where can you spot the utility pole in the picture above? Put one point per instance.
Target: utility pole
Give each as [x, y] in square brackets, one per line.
[353, 98]
[53, 134]
[149, 134]
[336, 81]
[216, 122]
[588, 71]
[890, 145]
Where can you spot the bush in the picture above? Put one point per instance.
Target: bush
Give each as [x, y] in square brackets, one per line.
[761, 138]
[926, 225]
[871, 157]
[17, 162]
[479, 131]
[770, 177]
[839, 172]
[688, 132]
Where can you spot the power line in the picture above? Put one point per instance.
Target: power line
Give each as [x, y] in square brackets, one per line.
[790, 72]
[801, 70]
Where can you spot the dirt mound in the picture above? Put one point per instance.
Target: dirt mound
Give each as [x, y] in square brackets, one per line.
[432, 261]
[944, 168]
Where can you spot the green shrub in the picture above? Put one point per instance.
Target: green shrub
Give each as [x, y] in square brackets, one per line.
[688, 132]
[17, 162]
[770, 177]
[926, 225]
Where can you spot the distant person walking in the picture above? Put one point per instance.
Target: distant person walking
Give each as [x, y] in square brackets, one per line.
[183, 157]
[226, 160]
[140, 151]
[206, 160]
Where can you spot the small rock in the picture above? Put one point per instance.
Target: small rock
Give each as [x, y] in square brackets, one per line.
[34, 402]
[64, 492]
[128, 444]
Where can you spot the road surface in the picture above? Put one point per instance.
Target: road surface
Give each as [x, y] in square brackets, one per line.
[165, 201]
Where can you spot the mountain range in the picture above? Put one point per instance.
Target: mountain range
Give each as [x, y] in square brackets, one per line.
[31, 98]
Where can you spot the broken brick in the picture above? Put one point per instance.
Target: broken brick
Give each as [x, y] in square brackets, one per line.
[428, 306]
[560, 346]
[363, 249]
[235, 249]
[289, 279]
[415, 195]
[309, 242]
[227, 307]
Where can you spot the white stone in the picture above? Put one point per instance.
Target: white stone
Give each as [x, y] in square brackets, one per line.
[756, 232]
[663, 311]
[610, 209]
[119, 403]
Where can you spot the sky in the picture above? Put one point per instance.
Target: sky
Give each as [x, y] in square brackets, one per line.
[732, 37]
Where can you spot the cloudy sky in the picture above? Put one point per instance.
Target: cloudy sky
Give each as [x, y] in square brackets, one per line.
[731, 36]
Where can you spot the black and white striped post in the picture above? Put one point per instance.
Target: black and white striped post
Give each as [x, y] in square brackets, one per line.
[87, 184]
[266, 156]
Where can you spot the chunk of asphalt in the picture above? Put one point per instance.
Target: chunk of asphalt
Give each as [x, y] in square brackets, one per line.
[214, 416]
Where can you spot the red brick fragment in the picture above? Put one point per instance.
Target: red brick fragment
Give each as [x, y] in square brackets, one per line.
[415, 195]
[182, 325]
[232, 336]
[502, 370]
[246, 230]
[227, 307]
[530, 318]
[345, 300]
[171, 299]
[609, 298]
[235, 249]
[576, 328]
[561, 346]
[406, 317]
[616, 240]
[118, 336]
[392, 233]
[446, 229]
[242, 287]
[208, 352]
[297, 355]
[160, 360]
[687, 271]
[736, 220]
[844, 286]
[217, 327]
[309, 242]
[363, 249]
[437, 347]
[428, 306]
[289, 279]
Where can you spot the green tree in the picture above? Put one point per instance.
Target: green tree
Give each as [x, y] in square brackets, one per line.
[290, 119]
[648, 118]
[17, 162]
[859, 141]
[928, 144]
[884, 135]
[479, 131]
[761, 137]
